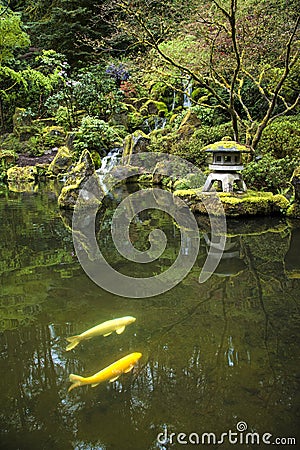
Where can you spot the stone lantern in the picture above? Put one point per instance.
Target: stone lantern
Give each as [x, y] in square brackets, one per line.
[226, 166]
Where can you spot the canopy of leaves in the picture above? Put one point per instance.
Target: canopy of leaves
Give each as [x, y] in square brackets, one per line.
[12, 37]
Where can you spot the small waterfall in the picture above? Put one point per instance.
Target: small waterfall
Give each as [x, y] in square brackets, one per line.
[156, 124]
[174, 101]
[187, 88]
[107, 163]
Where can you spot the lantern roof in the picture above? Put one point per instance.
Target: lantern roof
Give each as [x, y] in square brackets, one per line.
[226, 145]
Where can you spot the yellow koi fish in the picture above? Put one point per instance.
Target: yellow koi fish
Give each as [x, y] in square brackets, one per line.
[111, 373]
[105, 329]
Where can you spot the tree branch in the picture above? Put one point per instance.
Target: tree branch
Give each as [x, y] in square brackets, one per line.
[279, 86]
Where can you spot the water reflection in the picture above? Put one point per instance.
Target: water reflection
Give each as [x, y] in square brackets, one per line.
[213, 353]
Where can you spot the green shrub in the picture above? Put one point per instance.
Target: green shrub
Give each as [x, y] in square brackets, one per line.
[282, 138]
[96, 135]
[269, 173]
[189, 147]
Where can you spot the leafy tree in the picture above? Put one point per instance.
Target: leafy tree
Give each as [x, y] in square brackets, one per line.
[235, 51]
[12, 37]
[18, 81]
[66, 26]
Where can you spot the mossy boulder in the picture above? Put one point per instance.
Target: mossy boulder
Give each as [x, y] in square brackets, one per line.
[23, 127]
[189, 124]
[136, 142]
[75, 180]
[61, 162]
[96, 159]
[167, 172]
[235, 205]
[154, 108]
[53, 136]
[7, 157]
[22, 174]
[294, 211]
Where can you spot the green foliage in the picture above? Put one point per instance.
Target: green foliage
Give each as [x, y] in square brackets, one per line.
[189, 146]
[269, 173]
[90, 90]
[44, 139]
[60, 25]
[96, 135]
[282, 138]
[12, 37]
[27, 86]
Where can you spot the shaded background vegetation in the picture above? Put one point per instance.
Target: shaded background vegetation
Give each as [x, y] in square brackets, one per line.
[105, 69]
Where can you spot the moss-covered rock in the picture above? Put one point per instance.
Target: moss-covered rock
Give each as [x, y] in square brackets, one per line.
[154, 108]
[294, 211]
[53, 136]
[76, 178]
[96, 159]
[188, 125]
[191, 120]
[234, 205]
[61, 162]
[7, 157]
[22, 174]
[23, 127]
[136, 142]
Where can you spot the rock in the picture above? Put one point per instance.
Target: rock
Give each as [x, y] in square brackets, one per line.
[294, 211]
[137, 142]
[22, 125]
[49, 122]
[61, 162]
[235, 205]
[164, 171]
[22, 174]
[154, 108]
[53, 136]
[76, 178]
[7, 157]
[189, 124]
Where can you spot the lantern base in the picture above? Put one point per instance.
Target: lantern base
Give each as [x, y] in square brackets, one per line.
[226, 181]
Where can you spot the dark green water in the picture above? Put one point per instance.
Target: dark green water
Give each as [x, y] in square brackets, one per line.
[214, 354]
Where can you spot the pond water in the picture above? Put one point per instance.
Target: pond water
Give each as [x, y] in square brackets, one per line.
[216, 354]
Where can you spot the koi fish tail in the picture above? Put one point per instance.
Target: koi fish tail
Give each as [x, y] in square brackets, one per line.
[74, 341]
[76, 381]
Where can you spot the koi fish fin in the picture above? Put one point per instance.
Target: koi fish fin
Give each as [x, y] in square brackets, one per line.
[95, 384]
[74, 341]
[107, 334]
[114, 379]
[129, 369]
[120, 330]
[76, 380]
